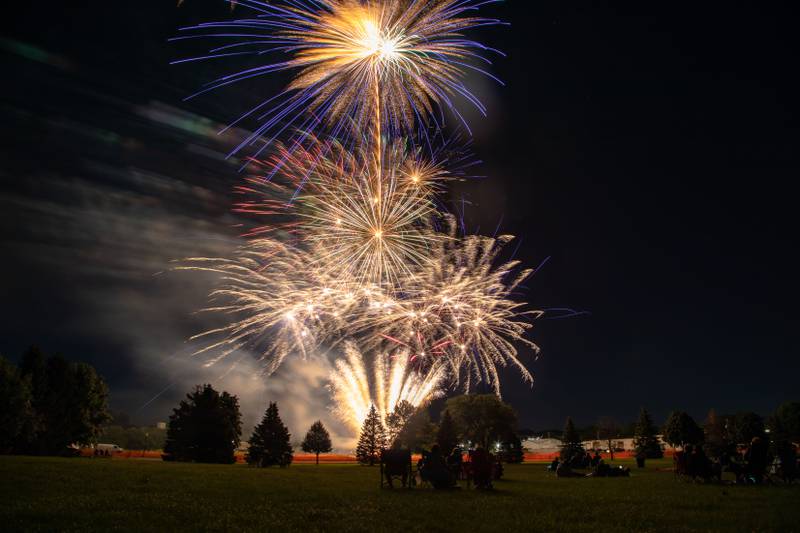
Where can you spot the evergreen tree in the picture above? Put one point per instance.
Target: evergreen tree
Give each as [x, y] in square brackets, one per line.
[447, 436]
[397, 420]
[317, 440]
[15, 406]
[372, 439]
[681, 429]
[571, 446]
[269, 444]
[206, 428]
[645, 440]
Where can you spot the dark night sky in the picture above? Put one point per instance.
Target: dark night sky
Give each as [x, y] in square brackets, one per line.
[650, 154]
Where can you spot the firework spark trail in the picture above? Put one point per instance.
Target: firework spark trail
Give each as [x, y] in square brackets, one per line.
[409, 53]
[392, 382]
[457, 313]
[376, 229]
[351, 255]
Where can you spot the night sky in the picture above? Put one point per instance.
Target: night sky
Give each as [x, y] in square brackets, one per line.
[650, 154]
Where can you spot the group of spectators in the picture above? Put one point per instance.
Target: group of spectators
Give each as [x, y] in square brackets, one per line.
[443, 470]
[593, 463]
[752, 465]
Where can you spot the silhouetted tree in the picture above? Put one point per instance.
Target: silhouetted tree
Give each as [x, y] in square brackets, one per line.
[372, 439]
[784, 424]
[608, 430]
[206, 427]
[571, 446]
[317, 440]
[482, 418]
[269, 444]
[397, 420]
[747, 426]
[645, 440]
[69, 402]
[15, 406]
[680, 429]
[447, 436]
[418, 433]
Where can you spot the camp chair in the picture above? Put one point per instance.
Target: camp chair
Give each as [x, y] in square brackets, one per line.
[396, 463]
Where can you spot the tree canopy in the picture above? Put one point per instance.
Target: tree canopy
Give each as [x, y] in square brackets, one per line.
[205, 428]
[16, 410]
[680, 429]
[68, 404]
[317, 440]
[482, 418]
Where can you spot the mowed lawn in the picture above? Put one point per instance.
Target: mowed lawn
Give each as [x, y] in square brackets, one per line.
[101, 495]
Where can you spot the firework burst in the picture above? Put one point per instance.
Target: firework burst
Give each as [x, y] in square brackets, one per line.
[392, 381]
[374, 229]
[354, 60]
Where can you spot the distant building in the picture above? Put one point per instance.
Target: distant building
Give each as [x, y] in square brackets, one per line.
[621, 444]
[161, 425]
[541, 445]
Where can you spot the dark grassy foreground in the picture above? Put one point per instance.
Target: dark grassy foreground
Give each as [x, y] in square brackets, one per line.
[92, 494]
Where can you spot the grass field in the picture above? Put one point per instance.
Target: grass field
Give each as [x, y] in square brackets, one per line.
[101, 495]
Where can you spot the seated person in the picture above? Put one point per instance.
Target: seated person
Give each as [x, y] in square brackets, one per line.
[565, 470]
[481, 468]
[454, 463]
[435, 471]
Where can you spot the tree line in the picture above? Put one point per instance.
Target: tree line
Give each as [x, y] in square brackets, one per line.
[206, 427]
[718, 435]
[49, 405]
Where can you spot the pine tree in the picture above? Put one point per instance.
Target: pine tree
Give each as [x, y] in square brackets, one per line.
[447, 436]
[571, 446]
[269, 443]
[372, 439]
[317, 440]
[645, 440]
[204, 428]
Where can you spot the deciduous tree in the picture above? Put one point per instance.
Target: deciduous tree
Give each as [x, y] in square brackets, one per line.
[680, 429]
[317, 440]
[482, 418]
